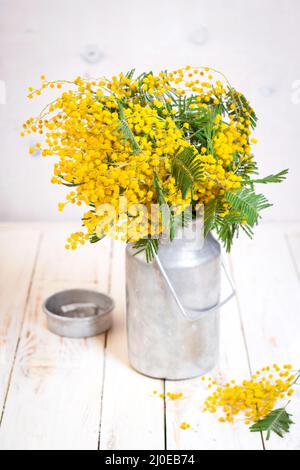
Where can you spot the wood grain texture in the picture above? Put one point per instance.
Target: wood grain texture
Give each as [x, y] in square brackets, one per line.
[54, 400]
[269, 299]
[61, 393]
[131, 418]
[206, 432]
[18, 250]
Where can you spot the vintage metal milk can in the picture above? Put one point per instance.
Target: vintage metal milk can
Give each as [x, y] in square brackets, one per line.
[173, 308]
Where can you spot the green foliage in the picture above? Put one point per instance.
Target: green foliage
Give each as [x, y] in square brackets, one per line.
[171, 221]
[248, 203]
[130, 74]
[71, 185]
[277, 178]
[68, 184]
[231, 212]
[277, 421]
[242, 106]
[147, 245]
[125, 132]
[181, 220]
[226, 225]
[95, 239]
[209, 216]
[226, 231]
[160, 193]
[150, 245]
[187, 170]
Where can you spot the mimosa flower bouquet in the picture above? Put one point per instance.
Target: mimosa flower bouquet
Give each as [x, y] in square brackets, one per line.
[175, 139]
[137, 151]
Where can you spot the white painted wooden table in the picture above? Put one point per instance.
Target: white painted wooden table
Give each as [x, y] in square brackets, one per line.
[81, 394]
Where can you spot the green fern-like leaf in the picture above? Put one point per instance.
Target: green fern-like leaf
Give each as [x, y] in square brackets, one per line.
[248, 203]
[209, 216]
[226, 226]
[68, 184]
[278, 421]
[181, 220]
[187, 170]
[242, 106]
[71, 185]
[168, 218]
[184, 218]
[94, 238]
[147, 245]
[159, 191]
[277, 178]
[125, 131]
[246, 168]
[130, 73]
[226, 231]
[248, 230]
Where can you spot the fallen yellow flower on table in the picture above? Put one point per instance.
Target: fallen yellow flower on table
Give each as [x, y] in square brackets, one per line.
[185, 426]
[170, 395]
[254, 399]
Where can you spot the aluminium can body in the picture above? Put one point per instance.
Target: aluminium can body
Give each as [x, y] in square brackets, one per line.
[162, 343]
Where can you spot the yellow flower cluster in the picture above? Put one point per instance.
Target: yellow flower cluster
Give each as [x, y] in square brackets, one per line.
[114, 137]
[184, 426]
[254, 398]
[171, 395]
[230, 138]
[174, 396]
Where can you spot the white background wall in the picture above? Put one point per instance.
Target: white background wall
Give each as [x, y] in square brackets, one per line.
[255, 43]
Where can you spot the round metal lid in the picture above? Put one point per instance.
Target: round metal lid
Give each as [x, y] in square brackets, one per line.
[78, 313]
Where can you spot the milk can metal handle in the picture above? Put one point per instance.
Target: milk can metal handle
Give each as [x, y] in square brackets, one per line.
[202, 311]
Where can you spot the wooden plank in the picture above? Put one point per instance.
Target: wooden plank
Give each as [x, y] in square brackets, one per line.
[206, 432]
[18, 248]
[54, 400]
[269, 298]
[131, 417]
